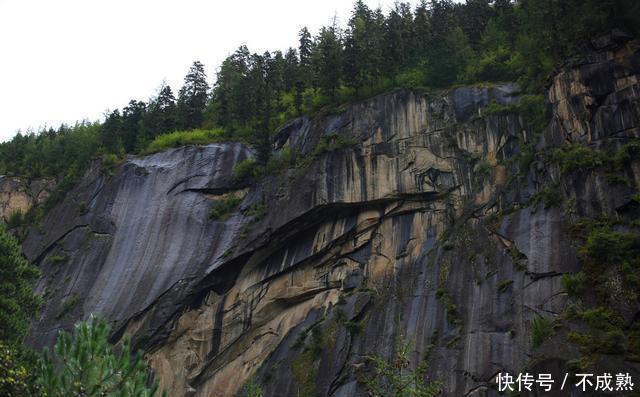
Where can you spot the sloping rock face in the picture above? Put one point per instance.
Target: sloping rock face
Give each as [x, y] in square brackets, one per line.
[409, 220]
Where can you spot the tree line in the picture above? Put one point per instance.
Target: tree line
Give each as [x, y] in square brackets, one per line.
[434, 45]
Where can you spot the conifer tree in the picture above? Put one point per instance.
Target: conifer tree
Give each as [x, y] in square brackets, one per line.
[85, 364]
[192, 97]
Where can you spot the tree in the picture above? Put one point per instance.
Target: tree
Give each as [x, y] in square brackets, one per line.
[85, 365]
[305, 50]
[111, 132]
[192, 97]
[397, 378]
[161, 115]
[18, 302]
[132, 125]
[326, 60]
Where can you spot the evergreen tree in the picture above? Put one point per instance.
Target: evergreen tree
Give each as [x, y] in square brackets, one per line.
[305, 50]
[327, 60]
[192, 97]
[161, 116]
[133, 133]
[85, 364]
[18, 302]
[111, 132]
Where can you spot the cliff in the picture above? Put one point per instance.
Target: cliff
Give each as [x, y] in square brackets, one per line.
[413, 218]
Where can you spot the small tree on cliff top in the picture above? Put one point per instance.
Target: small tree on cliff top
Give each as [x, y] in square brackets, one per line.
[85, 365]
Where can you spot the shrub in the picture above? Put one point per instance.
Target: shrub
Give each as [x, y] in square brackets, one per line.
[541, 330]
[396, 378]
[221, 208]
[577, 157]
[183, 138]
[15, 219]
[252, 389]
[573, 283]
[246, 170]
[549, 196]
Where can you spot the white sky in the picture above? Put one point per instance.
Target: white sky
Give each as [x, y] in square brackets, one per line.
[67, 60]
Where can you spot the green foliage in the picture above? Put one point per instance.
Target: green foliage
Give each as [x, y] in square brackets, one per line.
[252, 389]
[182, 138]
[17, 378]
[109, 163]
[68, 305]
[56, 260]
[85, 364]
[397, 378]
[549, 196]
[574, 283]
[504, 285]
[577, 157]
[15, 219]
[541, 330]
[221, 208]
[18, 302]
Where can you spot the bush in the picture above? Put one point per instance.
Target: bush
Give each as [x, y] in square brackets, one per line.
[577, 157]
[183, 138]
[573, 283]
[541, 330]
[246, 170]
[15, 219]
[396, 378]
[220, 209]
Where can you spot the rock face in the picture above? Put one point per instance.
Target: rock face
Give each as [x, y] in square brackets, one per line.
[17, 195]
[408, 220]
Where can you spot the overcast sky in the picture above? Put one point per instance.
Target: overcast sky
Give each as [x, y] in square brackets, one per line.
[67, 60]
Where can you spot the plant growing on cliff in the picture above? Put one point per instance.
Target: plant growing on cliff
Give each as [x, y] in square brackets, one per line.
[220, 209]
[541, 330]
[397, 378]
[85, 364]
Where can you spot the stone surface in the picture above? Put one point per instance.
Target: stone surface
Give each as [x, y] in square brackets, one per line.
[18, 195]
[417, 232]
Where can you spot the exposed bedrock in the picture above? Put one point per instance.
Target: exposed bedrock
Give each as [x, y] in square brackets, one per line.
[417, 232]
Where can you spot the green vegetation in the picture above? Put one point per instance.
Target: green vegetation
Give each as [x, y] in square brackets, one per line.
[578, 157]
[397, 378]
[221, 208]
[68, 305]
[182, 138]
[608, 283]
[573, 283]
[56, 260]
[252, 389]
[549, 196]
[541, 330]
[18, 303]
[504, 285]
[85, 364]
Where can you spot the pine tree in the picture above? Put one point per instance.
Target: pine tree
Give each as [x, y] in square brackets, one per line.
[161, 117]
[85, 364]
[306, 51]
[192, 97]
[111, 132]
[132, 125]
[18, 302]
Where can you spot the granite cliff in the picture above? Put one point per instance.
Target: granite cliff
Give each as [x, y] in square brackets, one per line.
[441, 220]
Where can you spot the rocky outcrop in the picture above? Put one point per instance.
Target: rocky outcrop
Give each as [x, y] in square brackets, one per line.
[18, 196]
[408, 219]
